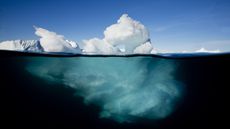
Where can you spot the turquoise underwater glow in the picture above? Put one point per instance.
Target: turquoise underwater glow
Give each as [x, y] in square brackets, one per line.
[125, 88]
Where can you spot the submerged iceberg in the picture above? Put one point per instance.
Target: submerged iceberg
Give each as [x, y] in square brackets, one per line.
[126, 89]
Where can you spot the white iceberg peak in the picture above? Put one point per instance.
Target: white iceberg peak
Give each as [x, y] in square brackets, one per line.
[128, 33]
[52, 42]
[203, 50]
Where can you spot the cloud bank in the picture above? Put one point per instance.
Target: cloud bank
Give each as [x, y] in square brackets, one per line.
[150, 93]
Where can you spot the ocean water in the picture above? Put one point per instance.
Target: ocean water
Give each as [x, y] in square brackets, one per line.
[135, 91]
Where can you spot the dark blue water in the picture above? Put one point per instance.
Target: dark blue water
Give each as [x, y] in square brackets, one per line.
[144, 91]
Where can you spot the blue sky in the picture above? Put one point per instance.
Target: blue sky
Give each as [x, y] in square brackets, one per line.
[173, 24]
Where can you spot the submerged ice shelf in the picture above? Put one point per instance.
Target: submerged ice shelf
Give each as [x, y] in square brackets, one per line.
[124, 88]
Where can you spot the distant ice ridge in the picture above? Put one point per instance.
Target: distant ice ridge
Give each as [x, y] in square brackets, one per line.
[33, 46]
[203, 50]
[22, 45]
[49, 42]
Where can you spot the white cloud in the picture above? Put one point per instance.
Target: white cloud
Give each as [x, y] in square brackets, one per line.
[52, 42]
[126, 33]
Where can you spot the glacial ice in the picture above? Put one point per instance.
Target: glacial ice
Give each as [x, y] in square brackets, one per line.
[125, 88]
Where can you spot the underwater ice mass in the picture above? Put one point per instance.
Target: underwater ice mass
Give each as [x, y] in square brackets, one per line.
[126, 89]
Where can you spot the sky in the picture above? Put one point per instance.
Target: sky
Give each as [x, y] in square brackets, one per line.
[174, 25]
